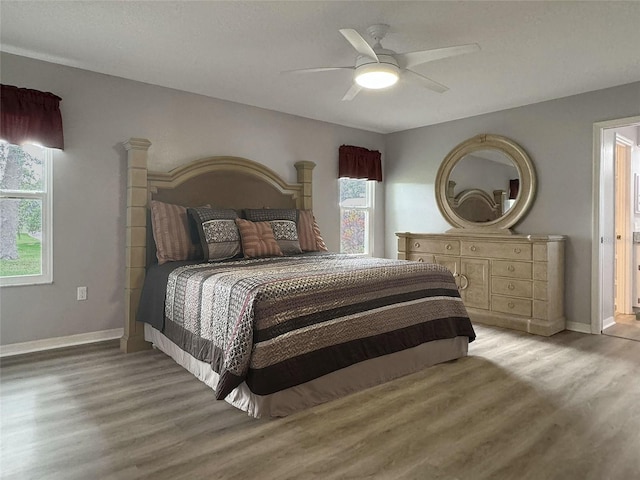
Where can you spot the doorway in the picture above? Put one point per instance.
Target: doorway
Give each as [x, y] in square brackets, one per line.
[616, 216]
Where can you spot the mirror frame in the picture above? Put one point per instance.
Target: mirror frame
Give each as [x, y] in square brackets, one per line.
[526, 191]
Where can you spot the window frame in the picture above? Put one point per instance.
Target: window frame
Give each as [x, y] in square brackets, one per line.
[369, 210]
[46, 242]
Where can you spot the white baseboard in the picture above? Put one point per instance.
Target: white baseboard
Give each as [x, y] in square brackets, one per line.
[59, 342]
[608, 322]
[578, 327]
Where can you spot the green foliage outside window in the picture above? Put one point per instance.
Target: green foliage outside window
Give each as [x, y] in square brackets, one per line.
[21, 170]
[355, 210]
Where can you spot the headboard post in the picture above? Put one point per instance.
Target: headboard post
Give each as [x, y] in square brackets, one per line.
[136, 238]
[305, 177]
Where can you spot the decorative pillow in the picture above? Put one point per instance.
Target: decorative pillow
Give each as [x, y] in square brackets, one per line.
[268, 214]
[170, 227]
[286, 234]
[257, 239]
[305, 231]
[309, 232]
[322, 247]
[217, 231]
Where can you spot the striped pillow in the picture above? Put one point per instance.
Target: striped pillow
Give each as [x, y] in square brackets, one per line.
[309, 233]
[170, 227]
[320, 245]
[257, 239]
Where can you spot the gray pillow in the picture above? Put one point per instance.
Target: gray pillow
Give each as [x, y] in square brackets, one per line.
[217, 231]
[286, 234]
[268, 214]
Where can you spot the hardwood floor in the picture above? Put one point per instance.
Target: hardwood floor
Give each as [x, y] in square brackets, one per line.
[519, 407]
[626, 326]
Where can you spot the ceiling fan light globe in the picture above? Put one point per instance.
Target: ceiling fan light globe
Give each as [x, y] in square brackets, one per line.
[375, 76]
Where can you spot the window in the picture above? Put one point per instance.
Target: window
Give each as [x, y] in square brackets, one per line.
[356, 216]
[25, 214]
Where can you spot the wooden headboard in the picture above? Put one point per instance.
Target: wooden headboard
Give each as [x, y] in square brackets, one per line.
[226, 182]
[477, 205]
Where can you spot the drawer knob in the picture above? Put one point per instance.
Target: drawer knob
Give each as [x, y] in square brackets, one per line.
[517, 250]
[417, 245]
[421, 259]
[448, 247]
[473, 248]
[511, 268]
[511, 286]
[511, 304]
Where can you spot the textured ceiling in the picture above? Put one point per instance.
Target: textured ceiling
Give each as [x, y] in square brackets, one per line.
[531, 51]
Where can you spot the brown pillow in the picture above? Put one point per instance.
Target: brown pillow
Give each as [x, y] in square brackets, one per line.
[170, 227]
[309, 233]
[257, 239]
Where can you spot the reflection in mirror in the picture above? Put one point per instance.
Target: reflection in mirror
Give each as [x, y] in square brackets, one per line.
[483, 185]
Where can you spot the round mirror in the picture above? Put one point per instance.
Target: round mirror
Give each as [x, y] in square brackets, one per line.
[485, 183]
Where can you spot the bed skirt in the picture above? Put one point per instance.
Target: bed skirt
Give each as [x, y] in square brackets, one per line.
[323, 389]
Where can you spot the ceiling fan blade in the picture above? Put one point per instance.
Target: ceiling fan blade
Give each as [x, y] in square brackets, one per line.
[319, 69]
[411, 59]
[352, 92]
[425, 82]
[359, 43]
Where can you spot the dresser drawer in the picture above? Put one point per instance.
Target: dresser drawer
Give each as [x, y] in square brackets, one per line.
[437, 247]
[516, 251]
[420, 257]
[516, 306]
[506, 286]
[501, 268]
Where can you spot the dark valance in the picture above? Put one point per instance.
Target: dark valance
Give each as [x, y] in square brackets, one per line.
[514, 187]
[30, 116]
[358, 162]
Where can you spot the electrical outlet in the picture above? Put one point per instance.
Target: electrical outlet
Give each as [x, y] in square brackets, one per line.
[82, 293]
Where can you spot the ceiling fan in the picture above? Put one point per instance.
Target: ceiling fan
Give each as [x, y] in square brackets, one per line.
[377, 67]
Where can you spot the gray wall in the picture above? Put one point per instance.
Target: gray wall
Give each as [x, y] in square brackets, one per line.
[99, 112]
[557, 135]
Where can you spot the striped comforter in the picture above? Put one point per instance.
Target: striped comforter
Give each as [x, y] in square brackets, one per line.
[279, 322]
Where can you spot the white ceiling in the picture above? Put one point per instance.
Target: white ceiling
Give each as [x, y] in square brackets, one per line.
[531, 51]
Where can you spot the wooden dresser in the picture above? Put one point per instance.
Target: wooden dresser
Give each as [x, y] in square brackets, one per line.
[512, 281]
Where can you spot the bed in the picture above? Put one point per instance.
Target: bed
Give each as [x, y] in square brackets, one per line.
[475, 204]
[275, 334]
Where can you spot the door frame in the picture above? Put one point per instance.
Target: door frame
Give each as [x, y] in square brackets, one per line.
[598, 246]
